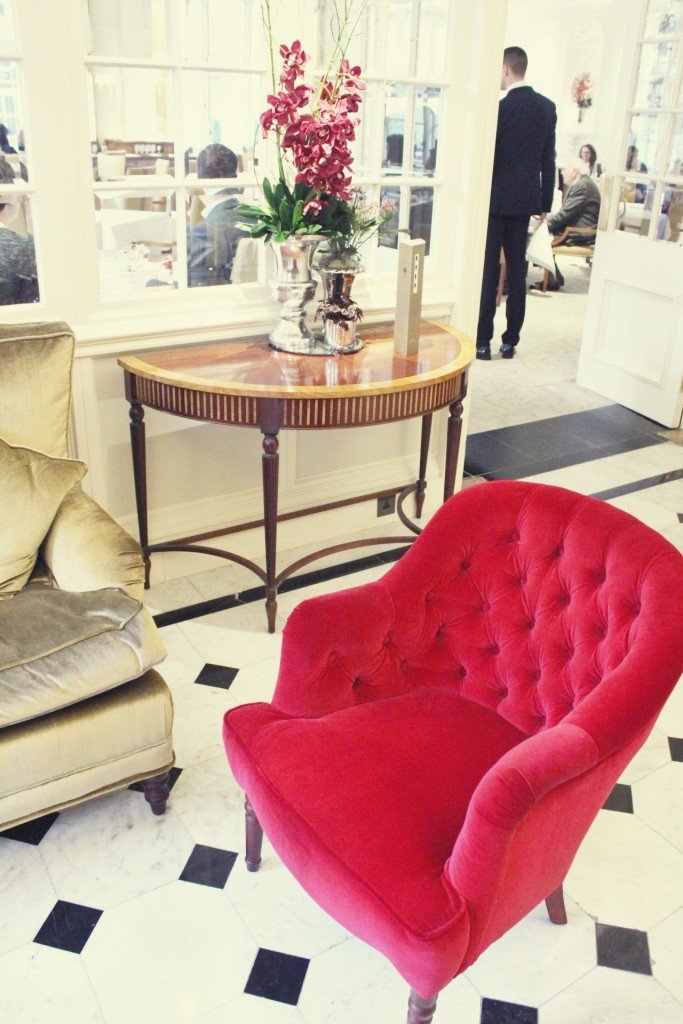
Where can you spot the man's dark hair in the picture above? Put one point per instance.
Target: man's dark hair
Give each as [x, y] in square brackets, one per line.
[516, 59]
[216, 161]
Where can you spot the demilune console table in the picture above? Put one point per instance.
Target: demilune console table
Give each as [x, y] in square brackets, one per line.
[247, 383]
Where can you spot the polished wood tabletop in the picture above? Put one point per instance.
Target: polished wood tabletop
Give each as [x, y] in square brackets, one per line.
[250, 367]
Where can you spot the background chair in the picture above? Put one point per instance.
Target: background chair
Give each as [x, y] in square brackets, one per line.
[440, 740]
[82, 711]
[111, 166]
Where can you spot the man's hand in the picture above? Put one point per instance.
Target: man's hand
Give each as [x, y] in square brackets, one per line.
[542, 218]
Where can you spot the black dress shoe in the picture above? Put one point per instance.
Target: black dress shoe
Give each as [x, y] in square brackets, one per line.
[483, 352]
[507, 351]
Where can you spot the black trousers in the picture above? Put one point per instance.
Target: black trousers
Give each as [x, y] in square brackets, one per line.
[510, 235]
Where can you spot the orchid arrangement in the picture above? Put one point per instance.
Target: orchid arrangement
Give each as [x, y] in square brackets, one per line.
[313, 121]
[582, 88]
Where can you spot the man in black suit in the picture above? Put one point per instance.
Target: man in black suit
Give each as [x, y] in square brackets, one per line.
[522, 186]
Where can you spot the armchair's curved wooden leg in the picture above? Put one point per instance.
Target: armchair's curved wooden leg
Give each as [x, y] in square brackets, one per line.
[556, 908]
[156, 792]
[254, 836]
[420, 1011]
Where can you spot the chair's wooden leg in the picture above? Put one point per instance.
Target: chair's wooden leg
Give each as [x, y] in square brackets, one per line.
[420, 1011]
[254, 837]
[156, 792]
[546, 279]
[556, 908]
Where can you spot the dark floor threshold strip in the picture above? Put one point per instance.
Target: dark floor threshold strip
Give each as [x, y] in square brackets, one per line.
[306, 579]
[639, 485]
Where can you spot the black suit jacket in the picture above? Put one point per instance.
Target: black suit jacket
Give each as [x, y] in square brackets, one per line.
[524, 162]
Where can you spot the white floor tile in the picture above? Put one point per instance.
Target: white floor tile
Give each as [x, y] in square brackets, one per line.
[666, 950]
[537, 959]
[625, 874]
[607, 996]
[26, 893]
[653, 755]
[658, 801]
[169, 956]
[211, 805]
[39, 985]
[113, 848]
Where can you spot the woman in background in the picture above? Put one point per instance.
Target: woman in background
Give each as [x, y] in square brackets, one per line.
[588, 154]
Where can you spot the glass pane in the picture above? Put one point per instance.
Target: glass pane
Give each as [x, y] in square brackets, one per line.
[18, 273]
[675, 162]
[221, 108]
[12, 117]
[224, 33]
[421, 210]
[394, 128]
[432, 36]
[426, 129]
[389, 237]
[136, 242]
[130, 118]
[664, 17]
[394, 40]
[218, 252]
[635, 206]
[643, 144]
[366, 147]
[656, 75]
[670, 228]
[129, 28]
[8, 32]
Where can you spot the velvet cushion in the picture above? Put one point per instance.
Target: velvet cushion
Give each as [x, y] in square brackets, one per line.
[32, 487]
[364, 806]
[58, 648]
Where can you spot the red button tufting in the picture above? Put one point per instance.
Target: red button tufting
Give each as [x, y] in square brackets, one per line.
[530, 623]
[357, 682]
[494, 649]
[462, 672]
[535, 676]
[464, 565]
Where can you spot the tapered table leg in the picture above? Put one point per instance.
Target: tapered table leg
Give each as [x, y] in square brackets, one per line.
[452, 447]
[139, 451]
[424, 452]
[270, 414]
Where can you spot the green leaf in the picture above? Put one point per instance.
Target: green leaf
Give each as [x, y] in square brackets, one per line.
[268, 193]
[285, 215]
[297, 213]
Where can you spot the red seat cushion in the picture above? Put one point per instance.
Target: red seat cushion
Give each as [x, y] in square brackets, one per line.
[364, 806]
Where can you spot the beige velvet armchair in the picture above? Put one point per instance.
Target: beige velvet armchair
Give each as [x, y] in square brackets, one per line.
[82, 711]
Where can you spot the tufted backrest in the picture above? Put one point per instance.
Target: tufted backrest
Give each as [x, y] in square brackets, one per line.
[541, 604]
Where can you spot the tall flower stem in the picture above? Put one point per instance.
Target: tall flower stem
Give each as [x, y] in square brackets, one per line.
[267, 18]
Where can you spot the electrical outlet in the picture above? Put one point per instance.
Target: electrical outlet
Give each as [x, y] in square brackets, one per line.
[386, 506]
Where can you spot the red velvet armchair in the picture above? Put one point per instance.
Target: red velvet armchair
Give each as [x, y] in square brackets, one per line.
[440, 741]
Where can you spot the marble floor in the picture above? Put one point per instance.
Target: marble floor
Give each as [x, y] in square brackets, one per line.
[112, 916]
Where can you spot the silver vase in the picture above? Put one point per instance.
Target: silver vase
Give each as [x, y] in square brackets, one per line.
[293, 287]
[340, 314]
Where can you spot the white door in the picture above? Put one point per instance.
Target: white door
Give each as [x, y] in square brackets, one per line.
[632, 348]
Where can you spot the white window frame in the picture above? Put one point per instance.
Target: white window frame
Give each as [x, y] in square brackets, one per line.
[61, 176]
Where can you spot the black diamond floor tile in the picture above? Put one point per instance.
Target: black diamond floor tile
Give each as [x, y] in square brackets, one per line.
[174, 775]
[208, 865]
[31, 832]
[217, 675]
[277, 976]
[495, 1011]
[620, 799]
[676, 748]
[68, 926]
[625, 949]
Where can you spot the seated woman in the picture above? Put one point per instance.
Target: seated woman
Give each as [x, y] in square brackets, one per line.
[18, 275]
[589, 154]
